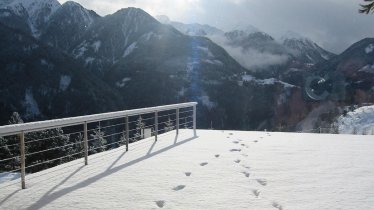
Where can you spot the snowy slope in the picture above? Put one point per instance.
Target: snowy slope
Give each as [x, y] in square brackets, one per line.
[305, 49]
[359, 121]
[36, 12]
[217, 170]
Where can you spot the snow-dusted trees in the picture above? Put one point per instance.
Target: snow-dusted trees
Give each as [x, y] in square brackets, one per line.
[43, 149]
[47, 147]
[140, 125]
[169, 125]
[9, 147]
[98, 141]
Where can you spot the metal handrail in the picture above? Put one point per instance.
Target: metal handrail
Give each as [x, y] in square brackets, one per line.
[23, 128]
[65, 122]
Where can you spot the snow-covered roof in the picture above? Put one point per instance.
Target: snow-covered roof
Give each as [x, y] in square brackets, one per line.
[216, 170]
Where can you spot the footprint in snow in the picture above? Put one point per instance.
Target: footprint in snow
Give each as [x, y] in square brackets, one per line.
[204, 164]
[188, 173]
[244, 145]
[277, 205]
[256, 193]
[235, 142]
[246, 173]
[231, 134]
[217, 155]
[160, 204]
[235, 150]
[255, 141]
[247, 167]
[237, 161]
[262, 182]
[244, 155]
[179, 187]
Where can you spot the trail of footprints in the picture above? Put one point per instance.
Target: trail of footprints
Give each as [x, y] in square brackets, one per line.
[261, 182]
[255, 192]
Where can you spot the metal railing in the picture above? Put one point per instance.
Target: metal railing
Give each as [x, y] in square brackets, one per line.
[127, 128]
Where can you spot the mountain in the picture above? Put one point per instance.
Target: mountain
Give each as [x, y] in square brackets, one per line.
[260, 41]
[332, 85]
[193, 29]
[153, 63]
[41, 83]
[304, 49]
[33, 13]
[67, 25]
[354, 70]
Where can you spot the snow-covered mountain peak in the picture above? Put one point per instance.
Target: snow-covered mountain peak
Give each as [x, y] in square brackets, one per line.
[246, 28]
[131, 11]
[304, 48]
[291, 35]
[78, 11]
[71, 4]
[163, 19]
[33, 7]
[37, 12]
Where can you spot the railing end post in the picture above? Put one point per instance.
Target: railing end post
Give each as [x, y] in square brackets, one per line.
[23, 162]
[127, 133]
[85, 144]
[194, 120]
[156, 125]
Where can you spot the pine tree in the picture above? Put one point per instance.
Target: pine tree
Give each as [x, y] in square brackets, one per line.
[98, 141]
[140, 125]
[7, 152]
[45, 146]
[368, 7]
[169, 126]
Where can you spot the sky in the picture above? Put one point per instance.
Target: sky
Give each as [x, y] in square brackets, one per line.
[333, 24]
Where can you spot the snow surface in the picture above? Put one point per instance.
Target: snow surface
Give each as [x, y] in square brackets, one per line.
[269, 81]
[213, 62]
[123, 82]
[96, 45]
[368, 68]
[130, 49]
[32, 107]
[65, 81]
[216, 170]
[6, 177]
[206, 51]
[359, 121]
[369, 48]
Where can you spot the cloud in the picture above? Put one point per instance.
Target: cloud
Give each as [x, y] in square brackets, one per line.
[333, 24]
[250, 59]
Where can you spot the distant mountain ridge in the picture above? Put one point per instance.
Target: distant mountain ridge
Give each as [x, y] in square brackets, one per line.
[291, 45]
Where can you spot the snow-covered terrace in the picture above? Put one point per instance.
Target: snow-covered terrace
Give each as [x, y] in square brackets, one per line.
[214, 170]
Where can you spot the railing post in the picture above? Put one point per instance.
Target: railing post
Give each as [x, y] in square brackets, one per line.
[127, 133]
[194, 120]
[85, 144]
[156, 125]
[177, 121]
[23, 162]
